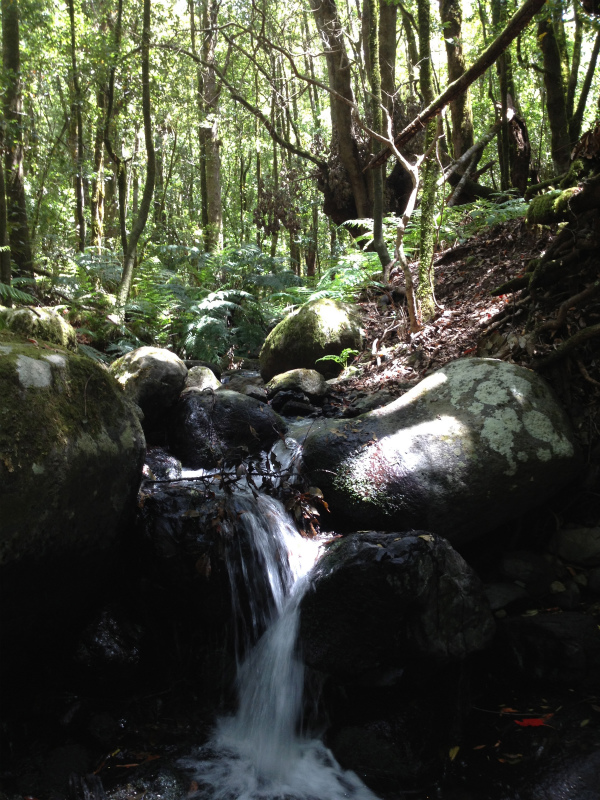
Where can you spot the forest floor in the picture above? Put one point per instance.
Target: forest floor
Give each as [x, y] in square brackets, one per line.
[470, 321]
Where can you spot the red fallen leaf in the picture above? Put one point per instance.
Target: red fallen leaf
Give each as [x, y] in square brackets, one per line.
[470, 350]
[533, 722]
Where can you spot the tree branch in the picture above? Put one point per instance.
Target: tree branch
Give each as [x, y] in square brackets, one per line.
[515, 25]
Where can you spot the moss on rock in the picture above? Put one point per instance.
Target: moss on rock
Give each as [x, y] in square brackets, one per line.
[46, 324]
[320, 328]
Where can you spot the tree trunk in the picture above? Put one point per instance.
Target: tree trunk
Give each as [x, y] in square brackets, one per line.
[5, 251]
[377, 122]
[140, 222]
[429, 172]
[77, 118]
[208, 101]
[98, 192]
[344, 141]
[460, 108]
[16, 207]
[555, 96]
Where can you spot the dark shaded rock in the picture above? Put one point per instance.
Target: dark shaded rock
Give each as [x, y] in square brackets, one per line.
[208, 427]
[572, 778]
[530, 570]
[110, 645]
[380, 601]
[503, 595]
[319, 328]
[71, 454]
[475, 444]
[579, 546]
[293, 408]
[562, 648]
[288, 396]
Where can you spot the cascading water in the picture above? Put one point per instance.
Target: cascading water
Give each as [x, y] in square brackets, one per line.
[258, 753]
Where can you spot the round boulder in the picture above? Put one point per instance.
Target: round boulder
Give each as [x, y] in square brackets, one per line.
[201, 378]
[71, 454]
[46, 324]
[308, 381]
[152, 377]
[473, 445]
[209, 427]
[319, 328]
[379, 601]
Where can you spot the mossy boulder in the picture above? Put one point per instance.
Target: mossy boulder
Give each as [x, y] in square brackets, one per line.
[319, 328]
[46, 324]
[475, 444]
[71, 454]
[201, 378]
[309, 381]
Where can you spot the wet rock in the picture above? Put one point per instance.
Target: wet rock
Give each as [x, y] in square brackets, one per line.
[71, 453]
[242, 381]
[161, 465]
[382, 600]
[46, 324]
[562, 648]
[316, 329]
[594, 581]
[153, 378]
[206, 428]
[201, 378]
[110, 645]
[475, 444]
[572, 778]
[308, 381]
[579, 546]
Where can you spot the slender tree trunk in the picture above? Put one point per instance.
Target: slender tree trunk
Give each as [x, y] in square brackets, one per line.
[377, 122]
[98, 191]
[460, 108]
[429, 172]
[140, 221]
[388, 16]
[16, 206]
[209, 92]
[577, 120]
[5, 251]
[555, 96]
[77, 118]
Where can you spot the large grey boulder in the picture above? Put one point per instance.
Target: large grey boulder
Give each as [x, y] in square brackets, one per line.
[71, 454]
[319, 328]
[473, 445]
[379, 601]
[208, 427]
[152, 377]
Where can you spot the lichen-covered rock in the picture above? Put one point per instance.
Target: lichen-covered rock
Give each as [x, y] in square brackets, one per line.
[208, 427]
[71, 454]
[381, 600]
[473, 445]
[201, 378]
[46, 324]
[308, 381]
[152, 377]
[319, 328]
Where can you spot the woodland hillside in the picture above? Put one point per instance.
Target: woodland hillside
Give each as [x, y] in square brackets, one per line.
[183, 173]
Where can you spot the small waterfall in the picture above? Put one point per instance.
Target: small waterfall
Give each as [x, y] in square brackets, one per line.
[259, 754]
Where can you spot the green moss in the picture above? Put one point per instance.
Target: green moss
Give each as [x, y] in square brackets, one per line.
[551, 207]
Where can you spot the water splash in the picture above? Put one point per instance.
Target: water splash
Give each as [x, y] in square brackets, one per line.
[258, 754]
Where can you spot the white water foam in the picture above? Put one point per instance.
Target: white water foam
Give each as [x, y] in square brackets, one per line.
[258, 754]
